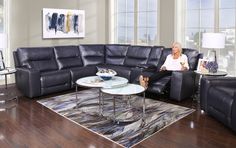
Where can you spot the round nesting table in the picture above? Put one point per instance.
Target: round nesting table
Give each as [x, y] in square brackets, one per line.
[127, 90]
[96, 82]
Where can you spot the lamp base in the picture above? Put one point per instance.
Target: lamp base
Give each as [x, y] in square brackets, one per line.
[212, 66]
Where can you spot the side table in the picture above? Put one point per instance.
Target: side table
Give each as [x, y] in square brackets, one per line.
[202, 74]
[7, 99]
[6, 72]
[218, 73]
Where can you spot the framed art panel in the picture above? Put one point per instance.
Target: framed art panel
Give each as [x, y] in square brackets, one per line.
[63, 23]
[201, 67]
[2, 65]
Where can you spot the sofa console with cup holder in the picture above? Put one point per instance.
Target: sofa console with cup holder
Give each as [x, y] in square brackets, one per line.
[45, 70]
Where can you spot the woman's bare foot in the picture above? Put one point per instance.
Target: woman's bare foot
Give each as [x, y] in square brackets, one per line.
[146, 79]
[143, 81]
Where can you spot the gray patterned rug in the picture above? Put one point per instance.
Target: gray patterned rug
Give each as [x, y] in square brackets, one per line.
[130, 126]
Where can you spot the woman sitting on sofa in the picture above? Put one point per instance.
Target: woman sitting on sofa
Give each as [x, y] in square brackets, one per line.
[175, 61]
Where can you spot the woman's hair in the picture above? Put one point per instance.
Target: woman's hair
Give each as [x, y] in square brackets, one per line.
[179, 46]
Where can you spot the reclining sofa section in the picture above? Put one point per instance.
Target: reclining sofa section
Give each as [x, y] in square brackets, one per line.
[218, 99]
[45, 70]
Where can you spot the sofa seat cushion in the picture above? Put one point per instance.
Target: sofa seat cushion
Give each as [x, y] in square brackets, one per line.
[80, 72]
[219, 103]
[68, 57]
[122, 71]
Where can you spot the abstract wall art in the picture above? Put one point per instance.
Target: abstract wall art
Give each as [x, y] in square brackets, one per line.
[63, 23]
[2, 65]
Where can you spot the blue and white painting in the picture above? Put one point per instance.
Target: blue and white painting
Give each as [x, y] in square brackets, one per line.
[63, 23]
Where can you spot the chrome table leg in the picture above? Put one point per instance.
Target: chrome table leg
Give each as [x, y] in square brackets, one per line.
[144, 105]
[76, 89]
[114, 108]
[99, 102]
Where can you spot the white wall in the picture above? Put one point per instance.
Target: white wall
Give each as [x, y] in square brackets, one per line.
[167, 22]
[96, 21]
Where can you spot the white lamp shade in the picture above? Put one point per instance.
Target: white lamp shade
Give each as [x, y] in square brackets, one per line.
[213, 40]
[3, 41]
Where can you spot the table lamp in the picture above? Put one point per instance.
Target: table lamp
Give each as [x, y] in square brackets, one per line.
[213, 41]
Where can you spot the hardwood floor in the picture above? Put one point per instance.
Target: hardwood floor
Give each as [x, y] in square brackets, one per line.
[31, 125]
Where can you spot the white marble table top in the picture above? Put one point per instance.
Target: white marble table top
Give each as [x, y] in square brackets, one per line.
[129, 89]
[95, 81]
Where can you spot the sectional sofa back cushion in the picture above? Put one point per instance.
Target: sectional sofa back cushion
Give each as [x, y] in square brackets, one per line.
[92, 54]
[16, 59]
[155, 55]
[115, 54]
[193, 56]
[67, 57]
[137, 55]
[40, 58]
[165, 53]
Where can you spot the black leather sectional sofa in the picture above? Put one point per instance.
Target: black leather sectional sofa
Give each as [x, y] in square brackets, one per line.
[45, 70]
[218, 99]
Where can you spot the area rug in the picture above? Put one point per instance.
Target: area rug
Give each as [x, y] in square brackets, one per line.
[128, 127]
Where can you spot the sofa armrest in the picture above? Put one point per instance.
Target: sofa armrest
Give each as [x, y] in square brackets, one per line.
[208, 82]
[147, 67]
[182, 85]
[220, 81]
[233, 117]
[28, 81]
